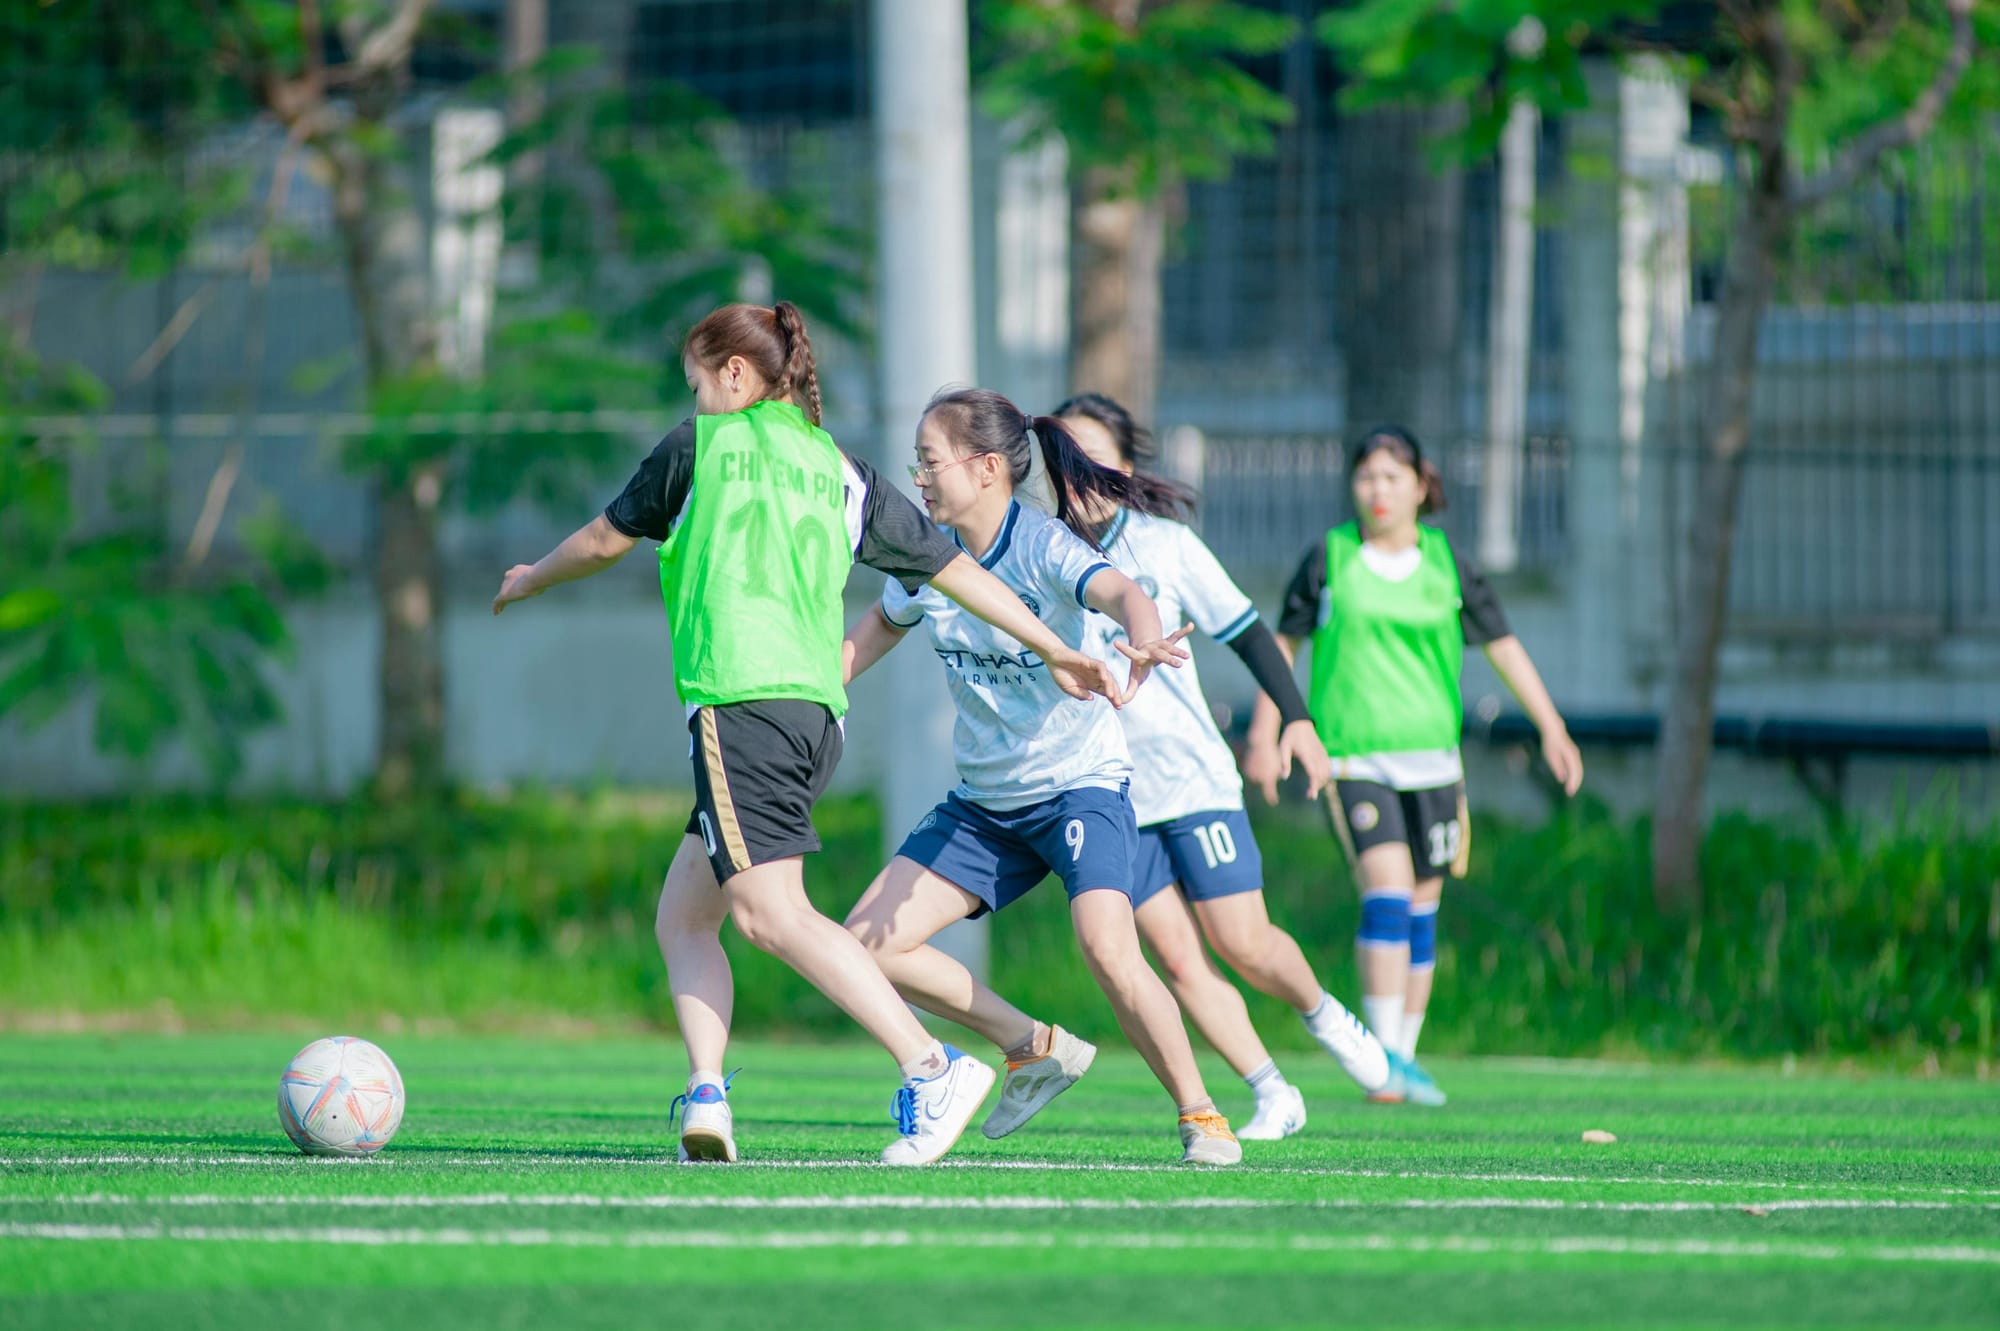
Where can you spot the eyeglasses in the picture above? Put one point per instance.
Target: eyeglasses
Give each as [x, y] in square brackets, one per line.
[924, 473]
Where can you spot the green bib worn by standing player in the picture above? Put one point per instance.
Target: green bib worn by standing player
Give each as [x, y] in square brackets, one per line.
[1386, 655]
[753, 573]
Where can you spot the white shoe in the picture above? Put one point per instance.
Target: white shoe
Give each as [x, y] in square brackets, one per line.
[1360, 1055]
[708, 1128]
[1277, 1116]
[1033, 1082]
[1207, 1140]
[931, 1112]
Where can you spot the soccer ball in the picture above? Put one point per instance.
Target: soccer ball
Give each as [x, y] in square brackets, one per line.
[340, 1096]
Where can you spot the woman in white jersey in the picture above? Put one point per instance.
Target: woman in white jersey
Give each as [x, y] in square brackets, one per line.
[760, 516]
[1043, 776]
[1199, 873]
[1389, 608]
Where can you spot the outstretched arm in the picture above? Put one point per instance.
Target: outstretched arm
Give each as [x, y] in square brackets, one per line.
[869, 639]
[591, 548]
[1076, 673]
[1112, 593]
[1510, 661]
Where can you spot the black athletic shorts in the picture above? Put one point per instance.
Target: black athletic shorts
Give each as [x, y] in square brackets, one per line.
[1432, 823]
[758, 768]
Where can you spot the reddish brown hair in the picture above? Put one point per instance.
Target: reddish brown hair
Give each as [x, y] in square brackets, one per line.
[772, 338]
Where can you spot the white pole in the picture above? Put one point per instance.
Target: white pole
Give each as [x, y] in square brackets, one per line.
[924, 340]
[1510, 327]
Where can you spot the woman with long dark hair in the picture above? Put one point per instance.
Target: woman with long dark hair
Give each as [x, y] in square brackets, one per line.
[760, 515]
[1043, 778]
[1389, 606]
[1200, 875]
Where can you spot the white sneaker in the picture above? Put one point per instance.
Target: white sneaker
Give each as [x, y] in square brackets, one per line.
[930, 1112]
[1033, 1082]
[1207, 1140]
[1360, 1055]
[1277, 1116]
[708, 1129]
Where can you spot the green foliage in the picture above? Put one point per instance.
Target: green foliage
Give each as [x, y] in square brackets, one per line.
[649, 214]
[1484, 55]
[106, 613]
[1858, 66]
[1882, 942]
[1162, 102]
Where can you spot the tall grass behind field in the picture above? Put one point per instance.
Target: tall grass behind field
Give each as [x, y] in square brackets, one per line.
[537, 909]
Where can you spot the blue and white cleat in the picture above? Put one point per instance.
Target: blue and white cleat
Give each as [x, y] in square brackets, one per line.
[1407, 1084]
[707, 1125]
[1277, 1117]
[1418, 1088]
[931, 1112]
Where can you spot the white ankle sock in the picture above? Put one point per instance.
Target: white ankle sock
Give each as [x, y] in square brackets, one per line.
[1406, 1038]
[1266, 1081]
[1384, 1015]
[703, 1077]
[928, 1064]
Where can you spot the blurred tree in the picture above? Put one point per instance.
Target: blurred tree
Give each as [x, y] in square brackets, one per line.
[1144, 95]
[1812, 94]
[643, 222]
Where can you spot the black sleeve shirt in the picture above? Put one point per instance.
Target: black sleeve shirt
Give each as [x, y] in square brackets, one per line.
[1480, 617]
[885, 530]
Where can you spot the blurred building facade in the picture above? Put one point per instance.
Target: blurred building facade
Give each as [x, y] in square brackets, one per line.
[1867, 582]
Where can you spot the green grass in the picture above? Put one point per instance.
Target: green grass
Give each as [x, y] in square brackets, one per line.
[144, 1182]
[535, 910]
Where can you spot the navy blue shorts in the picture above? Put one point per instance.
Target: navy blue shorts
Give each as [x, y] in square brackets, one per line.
[1209, 854]
[1087, 838]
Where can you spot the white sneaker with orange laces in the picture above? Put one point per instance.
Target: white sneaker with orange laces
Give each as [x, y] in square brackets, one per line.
[1207, 1140]
[1032, 1082]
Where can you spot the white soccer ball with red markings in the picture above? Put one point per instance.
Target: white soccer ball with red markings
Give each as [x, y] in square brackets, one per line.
[340, 1096]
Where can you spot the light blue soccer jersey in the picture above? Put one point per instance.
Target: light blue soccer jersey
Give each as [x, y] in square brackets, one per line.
[1181, 764]
[1019, 738]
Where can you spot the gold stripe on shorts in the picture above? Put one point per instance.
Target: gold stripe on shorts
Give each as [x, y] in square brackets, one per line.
[718, 793]
[1463, 860]
[1341, 831]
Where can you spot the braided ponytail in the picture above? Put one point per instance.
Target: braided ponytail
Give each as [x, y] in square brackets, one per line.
[801, 377]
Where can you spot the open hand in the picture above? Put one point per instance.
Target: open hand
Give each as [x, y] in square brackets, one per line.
[1300, 741]
[1083, 676]
[1165, 651]
[1263, 768]
[1559, 751]
[515, 587]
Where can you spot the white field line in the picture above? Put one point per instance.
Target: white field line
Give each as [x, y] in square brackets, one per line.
[288, 1160]
[901, 1238]
[832, 1202]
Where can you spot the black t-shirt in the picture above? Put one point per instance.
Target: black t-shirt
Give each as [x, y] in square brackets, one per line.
[890, 534]
[1479, 614]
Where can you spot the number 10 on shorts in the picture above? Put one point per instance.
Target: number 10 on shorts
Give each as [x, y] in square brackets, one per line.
[1218, 844]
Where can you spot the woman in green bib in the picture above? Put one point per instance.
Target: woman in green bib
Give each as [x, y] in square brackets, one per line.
[1389, 608]
[760, 516]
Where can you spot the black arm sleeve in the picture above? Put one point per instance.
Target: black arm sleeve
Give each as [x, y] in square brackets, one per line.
[652, 499]
[1259, 650]
[1479, 614]
[1299, 616]
[896, 536]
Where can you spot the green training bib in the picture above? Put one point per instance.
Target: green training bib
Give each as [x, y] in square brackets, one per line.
[1387, 655]
[753, 572]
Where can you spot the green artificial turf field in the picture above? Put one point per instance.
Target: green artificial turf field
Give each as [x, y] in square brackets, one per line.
[144, 1182]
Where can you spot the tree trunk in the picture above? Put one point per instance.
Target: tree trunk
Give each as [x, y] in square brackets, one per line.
[1687, 731]
[384, 240]
[1396, 268]
[1119, 242]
